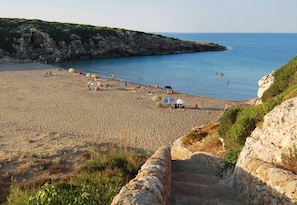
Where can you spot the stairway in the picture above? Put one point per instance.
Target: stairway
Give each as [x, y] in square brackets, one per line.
[195, 182]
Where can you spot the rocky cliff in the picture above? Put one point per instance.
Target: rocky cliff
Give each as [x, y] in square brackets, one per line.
[264, 83]
[258, 175]
[56, 42]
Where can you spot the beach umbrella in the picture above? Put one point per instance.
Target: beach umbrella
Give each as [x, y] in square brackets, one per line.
[71, 70]
[180, 101]
[168, 100]
[88, 74]
[167, 87]
[156, 98]
[94, 76]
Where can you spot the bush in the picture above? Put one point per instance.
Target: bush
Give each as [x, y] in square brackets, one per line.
[227, 120]
[128, 163]
[231, 156]
[17, 196]
[245, 123]
[90, 189]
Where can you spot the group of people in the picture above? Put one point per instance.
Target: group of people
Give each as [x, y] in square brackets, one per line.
[159, 89]
[221, 74]
[96, 85]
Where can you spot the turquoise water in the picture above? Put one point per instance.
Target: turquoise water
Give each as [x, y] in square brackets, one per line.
[248, 58]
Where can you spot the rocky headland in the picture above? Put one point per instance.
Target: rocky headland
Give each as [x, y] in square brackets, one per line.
[26, 40]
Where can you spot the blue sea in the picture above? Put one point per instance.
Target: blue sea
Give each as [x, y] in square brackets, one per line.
[249, 57]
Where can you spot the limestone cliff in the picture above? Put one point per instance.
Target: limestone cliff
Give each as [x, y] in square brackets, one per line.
[56, 42]
[264, 83]
[257, 172]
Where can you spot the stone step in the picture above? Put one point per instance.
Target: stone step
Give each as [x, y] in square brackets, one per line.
[195, 178]
[200, 190]
[186, 200]
[195, 182]
[193, 168]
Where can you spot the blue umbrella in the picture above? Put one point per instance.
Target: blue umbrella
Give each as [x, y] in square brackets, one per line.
[168, 100]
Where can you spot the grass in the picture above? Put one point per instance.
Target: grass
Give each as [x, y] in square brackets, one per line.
[106, 169]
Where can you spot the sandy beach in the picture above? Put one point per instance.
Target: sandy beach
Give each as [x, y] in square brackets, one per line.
[61, 110]
[56, 118]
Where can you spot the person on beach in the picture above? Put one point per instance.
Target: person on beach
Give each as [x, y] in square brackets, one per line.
[169, 91]
[89, 85]
[149, 89]
[158, 88]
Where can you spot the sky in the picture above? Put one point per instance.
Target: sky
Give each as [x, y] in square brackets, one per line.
[187, 16]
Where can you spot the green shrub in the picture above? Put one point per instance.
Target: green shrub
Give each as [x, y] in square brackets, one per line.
[127, 162]
[238, 123]
[284, 78]
[227, 120]
[90, 189]
[231, 156]
[246, 123]
[17, 196]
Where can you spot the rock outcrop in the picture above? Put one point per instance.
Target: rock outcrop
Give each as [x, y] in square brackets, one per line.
[257, 173]
[57, 42]
[264, 83]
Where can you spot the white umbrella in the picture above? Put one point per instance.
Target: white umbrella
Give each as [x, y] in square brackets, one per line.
[180, 101]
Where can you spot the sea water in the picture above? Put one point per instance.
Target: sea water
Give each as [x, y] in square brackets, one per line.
[249, 56]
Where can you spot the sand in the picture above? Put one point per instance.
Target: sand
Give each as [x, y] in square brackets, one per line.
[61, 110]
[50, 122]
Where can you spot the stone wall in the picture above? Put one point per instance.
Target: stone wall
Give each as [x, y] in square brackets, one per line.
[257, 174]
[152, 185]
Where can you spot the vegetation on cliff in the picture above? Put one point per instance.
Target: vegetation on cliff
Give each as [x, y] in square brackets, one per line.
[55, 42]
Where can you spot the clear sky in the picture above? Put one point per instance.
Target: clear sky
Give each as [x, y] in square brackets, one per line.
[163, 15]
